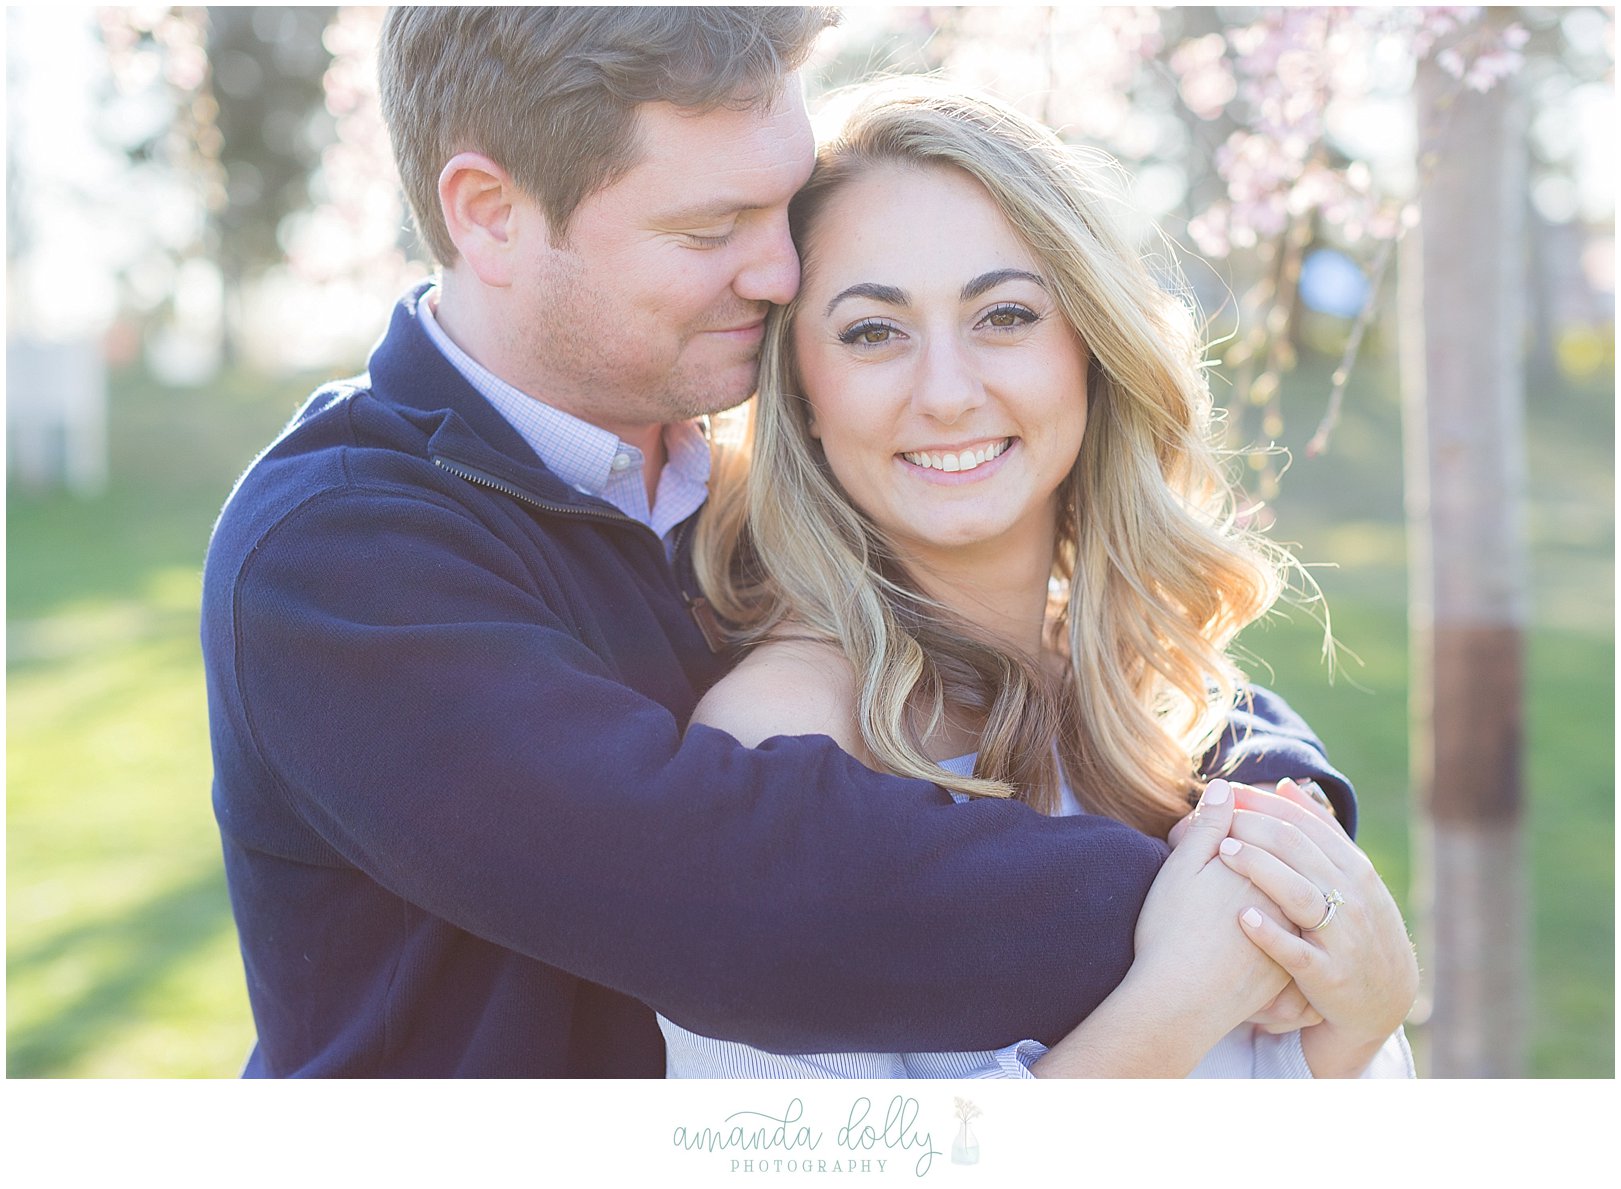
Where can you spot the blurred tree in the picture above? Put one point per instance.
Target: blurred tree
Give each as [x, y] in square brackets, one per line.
[1463, 375]
[156, 111]
[357, 228]
[228, 105]
[265, 73]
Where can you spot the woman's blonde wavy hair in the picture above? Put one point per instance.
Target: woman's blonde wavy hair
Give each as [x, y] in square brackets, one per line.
[1152, 575]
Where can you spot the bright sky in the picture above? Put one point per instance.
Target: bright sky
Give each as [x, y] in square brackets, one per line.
[65, 285]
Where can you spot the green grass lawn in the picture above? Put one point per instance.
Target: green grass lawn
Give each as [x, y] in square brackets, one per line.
[121, 954]
[121, 957]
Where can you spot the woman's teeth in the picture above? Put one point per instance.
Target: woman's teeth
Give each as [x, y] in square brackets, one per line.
[967, 460]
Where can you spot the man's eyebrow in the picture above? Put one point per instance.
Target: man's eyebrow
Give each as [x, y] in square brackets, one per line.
[887, 294]
[706, 212]
[990, 280]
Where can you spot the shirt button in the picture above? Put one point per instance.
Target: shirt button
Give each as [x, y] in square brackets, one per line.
[621, 462]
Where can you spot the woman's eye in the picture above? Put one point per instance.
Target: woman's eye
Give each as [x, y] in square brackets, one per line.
[1006, 317]
[1009, 317]
[869, 334]
[709, 241]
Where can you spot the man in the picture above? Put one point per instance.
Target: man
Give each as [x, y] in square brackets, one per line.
[450, 647]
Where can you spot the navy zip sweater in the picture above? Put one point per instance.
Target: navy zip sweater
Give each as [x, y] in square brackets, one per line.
[465, 834]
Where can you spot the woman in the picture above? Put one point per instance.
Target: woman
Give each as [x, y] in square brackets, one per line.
[984, 541]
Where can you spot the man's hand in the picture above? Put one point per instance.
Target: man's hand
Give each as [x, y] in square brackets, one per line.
[1291, 1011]
[1188, 943]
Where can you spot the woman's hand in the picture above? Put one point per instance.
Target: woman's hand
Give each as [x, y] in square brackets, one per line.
[1195, 976]
[1351, 958]
[1308, 794]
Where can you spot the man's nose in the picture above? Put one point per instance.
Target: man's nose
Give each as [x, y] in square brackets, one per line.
[947, 385]
[772, 273]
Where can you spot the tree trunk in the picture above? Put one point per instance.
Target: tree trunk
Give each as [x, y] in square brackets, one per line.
[1462, 279]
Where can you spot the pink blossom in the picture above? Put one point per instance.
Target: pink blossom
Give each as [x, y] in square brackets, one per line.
[1207, 83]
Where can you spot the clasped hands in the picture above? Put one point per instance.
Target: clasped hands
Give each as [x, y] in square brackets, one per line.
[1266, 861]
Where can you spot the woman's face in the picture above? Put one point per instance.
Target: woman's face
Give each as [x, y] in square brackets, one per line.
[948, 391]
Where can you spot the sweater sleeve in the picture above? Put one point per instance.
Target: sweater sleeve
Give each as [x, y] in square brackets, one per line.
[1265, 741]
[413, 692]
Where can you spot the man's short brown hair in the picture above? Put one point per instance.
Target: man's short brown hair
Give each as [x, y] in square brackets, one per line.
[551, 93]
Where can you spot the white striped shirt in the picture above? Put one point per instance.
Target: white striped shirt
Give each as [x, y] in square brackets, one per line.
[585, 456]
[1245, 1052]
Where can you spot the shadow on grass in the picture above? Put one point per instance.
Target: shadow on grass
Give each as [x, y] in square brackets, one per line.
[154, 936]
[67, 552]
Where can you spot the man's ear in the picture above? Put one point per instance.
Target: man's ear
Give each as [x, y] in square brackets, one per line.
[487, 215]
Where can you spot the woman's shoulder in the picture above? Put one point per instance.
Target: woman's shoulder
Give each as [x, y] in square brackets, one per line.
[788, 685]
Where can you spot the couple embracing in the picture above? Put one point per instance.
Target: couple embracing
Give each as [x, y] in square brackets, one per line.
[557, 736]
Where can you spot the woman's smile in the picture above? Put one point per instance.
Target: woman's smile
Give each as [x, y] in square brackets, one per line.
[945, 464]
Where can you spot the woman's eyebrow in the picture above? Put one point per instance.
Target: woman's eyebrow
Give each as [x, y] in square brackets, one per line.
[887, 294]
[991, 280]
[890, 295]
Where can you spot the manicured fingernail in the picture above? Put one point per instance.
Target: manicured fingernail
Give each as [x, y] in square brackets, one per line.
[1229, 846]
[1217, 792]
[1252, 918]
[1287, 780]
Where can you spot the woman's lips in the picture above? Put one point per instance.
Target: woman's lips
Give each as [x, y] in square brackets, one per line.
[959, 461]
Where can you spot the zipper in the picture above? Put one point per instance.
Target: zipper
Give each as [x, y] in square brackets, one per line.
[482, 480]
[703, 615]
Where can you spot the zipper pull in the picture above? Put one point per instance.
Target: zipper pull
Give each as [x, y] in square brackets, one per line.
[708, 623]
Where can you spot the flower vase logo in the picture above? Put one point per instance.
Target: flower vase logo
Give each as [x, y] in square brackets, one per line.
[965, 1147]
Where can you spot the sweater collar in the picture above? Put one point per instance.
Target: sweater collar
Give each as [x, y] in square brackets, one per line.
[409, 372]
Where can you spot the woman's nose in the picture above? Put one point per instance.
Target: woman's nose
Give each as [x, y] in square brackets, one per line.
[948, 385]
